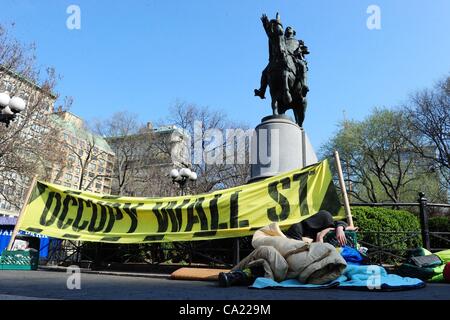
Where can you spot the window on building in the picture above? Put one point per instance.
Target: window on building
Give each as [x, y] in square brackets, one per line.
[68, 176]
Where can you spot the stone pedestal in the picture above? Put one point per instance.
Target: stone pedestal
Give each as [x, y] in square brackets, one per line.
[279, 145]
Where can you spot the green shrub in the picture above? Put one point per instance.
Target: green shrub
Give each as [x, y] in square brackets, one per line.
[372, 220]
[439, 224]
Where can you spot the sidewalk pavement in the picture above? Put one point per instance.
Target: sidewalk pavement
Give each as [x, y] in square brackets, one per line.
[109, 272]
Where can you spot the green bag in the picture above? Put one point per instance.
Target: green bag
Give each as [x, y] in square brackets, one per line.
[444, 255]
[352, 239]
[413, 271]
[424, 265]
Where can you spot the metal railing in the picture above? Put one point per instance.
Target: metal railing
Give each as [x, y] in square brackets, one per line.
[382, 250]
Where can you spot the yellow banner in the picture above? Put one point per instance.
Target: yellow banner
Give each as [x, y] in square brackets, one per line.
[64, 213]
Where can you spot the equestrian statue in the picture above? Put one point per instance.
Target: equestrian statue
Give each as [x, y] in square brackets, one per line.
[286, 72]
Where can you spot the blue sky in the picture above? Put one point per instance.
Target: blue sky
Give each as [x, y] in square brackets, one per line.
[143, 55]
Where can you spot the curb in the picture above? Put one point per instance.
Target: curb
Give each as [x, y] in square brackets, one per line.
[110, 273]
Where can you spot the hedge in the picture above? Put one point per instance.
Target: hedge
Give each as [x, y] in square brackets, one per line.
[370, 219]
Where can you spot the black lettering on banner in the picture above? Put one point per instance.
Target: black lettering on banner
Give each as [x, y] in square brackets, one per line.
[111, 197]
[54, 213]
[201, 234]
[111, 239]
[201, 213]
[214, 212]
[179, 213]
[103, 217]
[331, 201]
[243, 224]
[170, 213]
[35, 230]
[38, 191]
[76, 224]
[158, 237]
[281, 199]
[65, 209]
[234, 210]
[223, 225]
[303, 192]
[191, 219]
[77, 193]
[70, 236]
[162, 219]
[132, 213]
[112, 217]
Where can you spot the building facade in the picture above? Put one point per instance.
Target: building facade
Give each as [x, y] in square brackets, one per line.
[144, 160]
[77, 158]
[89, 158]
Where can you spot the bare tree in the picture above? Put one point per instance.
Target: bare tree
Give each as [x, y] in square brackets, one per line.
[28, 146]
[198, 123]
[127, 138]
[428, 112]
[145, 155]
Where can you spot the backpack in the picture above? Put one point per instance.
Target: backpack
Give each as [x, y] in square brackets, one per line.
[421, 264]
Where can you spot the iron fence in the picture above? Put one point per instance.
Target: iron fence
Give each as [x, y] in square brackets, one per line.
[379, 251]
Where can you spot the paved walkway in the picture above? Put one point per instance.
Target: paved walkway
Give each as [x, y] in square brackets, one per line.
[53, 285]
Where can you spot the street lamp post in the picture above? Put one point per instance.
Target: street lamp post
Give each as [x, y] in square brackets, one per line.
[10, 107]
[181, 177]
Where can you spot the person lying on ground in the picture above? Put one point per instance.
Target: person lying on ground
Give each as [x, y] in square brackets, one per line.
[291, 255]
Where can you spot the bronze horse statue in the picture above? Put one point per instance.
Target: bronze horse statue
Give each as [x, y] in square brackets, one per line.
[286, 72]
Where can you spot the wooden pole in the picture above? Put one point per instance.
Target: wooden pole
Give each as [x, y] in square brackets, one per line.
[21, 215]
[303, 147]
[344, 190]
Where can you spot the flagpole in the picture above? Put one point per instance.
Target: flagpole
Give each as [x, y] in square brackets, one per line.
[21, 215]
[343, 189]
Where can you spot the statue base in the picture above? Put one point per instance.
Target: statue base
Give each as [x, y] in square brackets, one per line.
[279, 145]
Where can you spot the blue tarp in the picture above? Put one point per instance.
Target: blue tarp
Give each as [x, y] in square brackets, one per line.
[355, 277]
[5, 236]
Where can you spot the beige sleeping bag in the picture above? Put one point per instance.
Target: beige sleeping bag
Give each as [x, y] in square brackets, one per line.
[284, 258]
